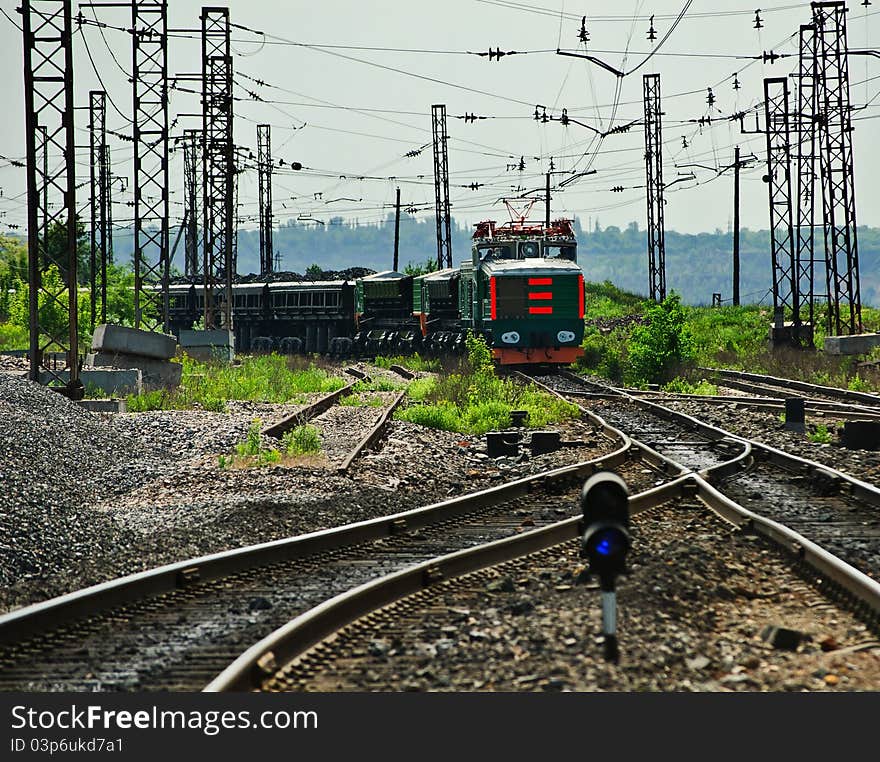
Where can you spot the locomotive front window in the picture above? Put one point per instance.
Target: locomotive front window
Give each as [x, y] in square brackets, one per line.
[494, 252]
[557, 251]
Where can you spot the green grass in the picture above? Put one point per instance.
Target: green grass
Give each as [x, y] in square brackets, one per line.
[413, 362]
[682, 386]
[377, 385]
[13, 337]
[361, 400]
[821, 435]
[251, 453]
[474, 401]
[724, 337]
[303, 440]
[266, 378]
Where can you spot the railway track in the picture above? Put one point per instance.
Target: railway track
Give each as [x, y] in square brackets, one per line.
[178, 626]
[305, 646]
[329, 414]
[835, 510]
[757, 383]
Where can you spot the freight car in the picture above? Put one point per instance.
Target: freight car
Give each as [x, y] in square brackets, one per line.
[521, 289]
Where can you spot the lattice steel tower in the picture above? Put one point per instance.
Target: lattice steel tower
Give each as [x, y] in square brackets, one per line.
[219, 166]
[778, 178]
[836, 160]
[149, 21]
[51, 190]
[191, 140]
[98, 202]
[655, 186]
[264, 173]
[805, 259]
[441, 186]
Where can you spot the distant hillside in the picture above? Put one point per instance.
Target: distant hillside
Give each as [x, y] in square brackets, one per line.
[696, 265]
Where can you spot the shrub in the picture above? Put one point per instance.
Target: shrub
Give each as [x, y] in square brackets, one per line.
[664, 345]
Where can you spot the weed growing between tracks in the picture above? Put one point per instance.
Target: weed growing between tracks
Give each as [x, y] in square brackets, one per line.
[263, 378]
[413, 362]
[299, 442]
[473, 399]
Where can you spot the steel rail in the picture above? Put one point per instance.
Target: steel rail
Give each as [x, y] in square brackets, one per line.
[787, 383]
[264, 658]
[301, 416]
[768, 404]
[373, 435]
[36, 618]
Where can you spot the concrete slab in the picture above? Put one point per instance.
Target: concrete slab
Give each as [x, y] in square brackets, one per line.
[861, 435]
[860, 344]
[157, 374]
[104, 406]
[110, 381]
[209, 345]
[133, 341]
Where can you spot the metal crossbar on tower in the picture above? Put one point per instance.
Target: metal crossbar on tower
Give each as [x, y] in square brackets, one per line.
[51, 192]
[782, 243]
[805, 260]
[836, 160]
[191, 139]
[218, 166]
[149, 22]
[655, 186]
[264, 176]
[441, 186]
[98, 204]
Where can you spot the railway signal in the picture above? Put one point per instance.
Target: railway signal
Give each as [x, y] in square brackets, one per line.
[605, 543]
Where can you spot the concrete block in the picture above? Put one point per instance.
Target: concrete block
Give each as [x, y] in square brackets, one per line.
[861, 435]
[544, 442]
[860, 344]
[133, 341]
[157, 374]
[104, 406]
[209, 345]
[110, 381]
[794, 414]
[784, 334]
[502, 443]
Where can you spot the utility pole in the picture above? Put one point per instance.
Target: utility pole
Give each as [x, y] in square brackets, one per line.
[736, 166]
[838, 186]
[191, 201]
[807, 128]
[264, 175]
[655, 187]
[441, 186]
[778, 179]
[218, 163]
[149, 23]
[547, 204]
[97, 202]
[49, 103]
[396, 232]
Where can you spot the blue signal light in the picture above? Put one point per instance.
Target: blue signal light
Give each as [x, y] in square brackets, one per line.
[603, 548]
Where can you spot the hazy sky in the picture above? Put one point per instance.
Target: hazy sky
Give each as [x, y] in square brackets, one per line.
[349, 88]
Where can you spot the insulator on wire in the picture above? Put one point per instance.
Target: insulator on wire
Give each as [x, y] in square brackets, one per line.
[758, 23]
[564, 118]
[652, 33]
[710, 98]
[584, 34]
[736, 84]
[617, 189]
[684, 142]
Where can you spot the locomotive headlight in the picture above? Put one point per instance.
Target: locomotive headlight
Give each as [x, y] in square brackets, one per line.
[563, 337]
[511, 337]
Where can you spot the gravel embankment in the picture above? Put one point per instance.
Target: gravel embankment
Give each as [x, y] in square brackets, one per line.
[691, 614]
[87, 498]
